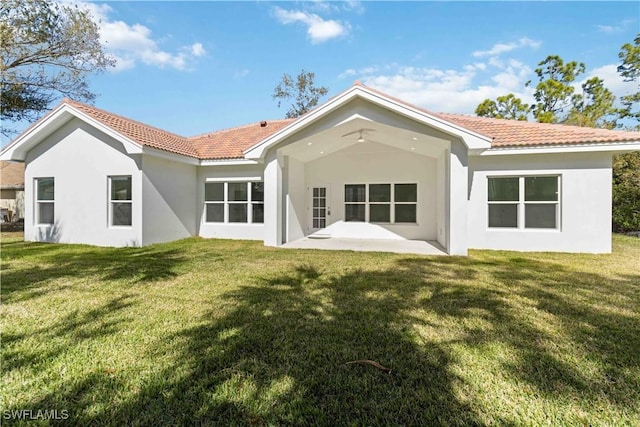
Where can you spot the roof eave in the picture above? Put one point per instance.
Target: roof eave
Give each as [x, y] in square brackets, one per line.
[58, 117]
[614, 147]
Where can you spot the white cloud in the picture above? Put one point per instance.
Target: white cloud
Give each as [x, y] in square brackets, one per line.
[618, 28]
[198, 50]
[449, 90]
[353, 5]
[318, 29]
[500, 48]
[130, 44]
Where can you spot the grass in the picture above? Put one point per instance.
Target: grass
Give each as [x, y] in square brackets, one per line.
[232, 333]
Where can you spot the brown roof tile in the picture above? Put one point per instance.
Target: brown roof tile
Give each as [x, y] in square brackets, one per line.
[11, 175]
[138, 132]
[510, 133]
[230, 143]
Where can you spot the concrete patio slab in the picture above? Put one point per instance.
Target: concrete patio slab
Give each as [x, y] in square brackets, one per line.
[418, 247]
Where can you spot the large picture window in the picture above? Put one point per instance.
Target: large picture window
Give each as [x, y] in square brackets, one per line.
[45, 201]
[524, 202]
[120, 201]
[234, 202]
[381, 203]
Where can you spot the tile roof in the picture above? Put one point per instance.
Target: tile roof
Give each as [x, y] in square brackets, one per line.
[510, 133]
[11, 175]
[230, 143]
[138, 132]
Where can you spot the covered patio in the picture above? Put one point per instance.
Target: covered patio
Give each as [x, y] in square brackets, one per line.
[369, 173]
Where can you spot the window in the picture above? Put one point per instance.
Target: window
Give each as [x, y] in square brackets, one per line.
[354, 202]
[120, 200]
[381, 203]
[406, 200]
[214, 201]
[45, 193]
[234, 202]
[524, 202]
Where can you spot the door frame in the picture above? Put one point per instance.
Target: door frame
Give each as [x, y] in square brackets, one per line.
[310, 207]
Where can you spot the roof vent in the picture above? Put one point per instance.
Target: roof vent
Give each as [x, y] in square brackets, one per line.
[263, 124]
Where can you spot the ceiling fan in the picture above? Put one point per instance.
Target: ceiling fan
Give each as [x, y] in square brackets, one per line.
[360, 133]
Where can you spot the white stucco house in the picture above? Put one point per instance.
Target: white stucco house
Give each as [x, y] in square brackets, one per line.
[362, 165]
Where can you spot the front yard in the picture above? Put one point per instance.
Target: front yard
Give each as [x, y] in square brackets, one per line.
[225, 332]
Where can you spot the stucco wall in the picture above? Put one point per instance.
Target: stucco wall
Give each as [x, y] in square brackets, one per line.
[221, 174]
[585, 211]
[375, 163]
[81, 158]
[169, 200]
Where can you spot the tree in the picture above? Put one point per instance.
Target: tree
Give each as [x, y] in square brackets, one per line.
[507, 107]
[554, 90]
[592, 107]
[626, 192]
[47, 49]
[626, 167]
[629, 69]
[301, 92]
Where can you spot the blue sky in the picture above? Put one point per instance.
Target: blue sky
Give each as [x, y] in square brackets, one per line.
[194, 67]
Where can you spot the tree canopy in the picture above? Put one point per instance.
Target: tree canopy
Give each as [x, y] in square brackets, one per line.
[47, 50]
[301, 92]
[593, 107]
[554, 92]
[629, 69]
[505, 107]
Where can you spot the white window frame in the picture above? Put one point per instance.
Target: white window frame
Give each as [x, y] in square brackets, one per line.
[391, 203]
[215, 202]
[521, 203]
[112, 202]
[250, 203]
[38, 202]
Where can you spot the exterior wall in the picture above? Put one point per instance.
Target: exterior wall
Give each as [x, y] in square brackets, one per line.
[14, 201]
[375, 163]
[169, 200]
[80, 158]
[296, 197]
[227, 174]
[458, 206]
[585, 205]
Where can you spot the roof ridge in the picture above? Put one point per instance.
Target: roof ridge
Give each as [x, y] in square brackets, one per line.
[205, 134]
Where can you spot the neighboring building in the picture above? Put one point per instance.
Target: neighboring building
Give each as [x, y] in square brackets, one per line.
[11, 191]
[362, 165]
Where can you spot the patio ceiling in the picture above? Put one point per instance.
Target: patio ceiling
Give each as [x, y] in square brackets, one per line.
[347, 133]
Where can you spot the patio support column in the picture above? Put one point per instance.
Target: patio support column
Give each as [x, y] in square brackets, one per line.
[458, 199]
[273, 200]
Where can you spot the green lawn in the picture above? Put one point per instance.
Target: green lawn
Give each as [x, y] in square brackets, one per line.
[230, 332]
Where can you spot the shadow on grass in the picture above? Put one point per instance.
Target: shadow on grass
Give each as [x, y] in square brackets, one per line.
[278, 356]
[55, 261]
[65, 334]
